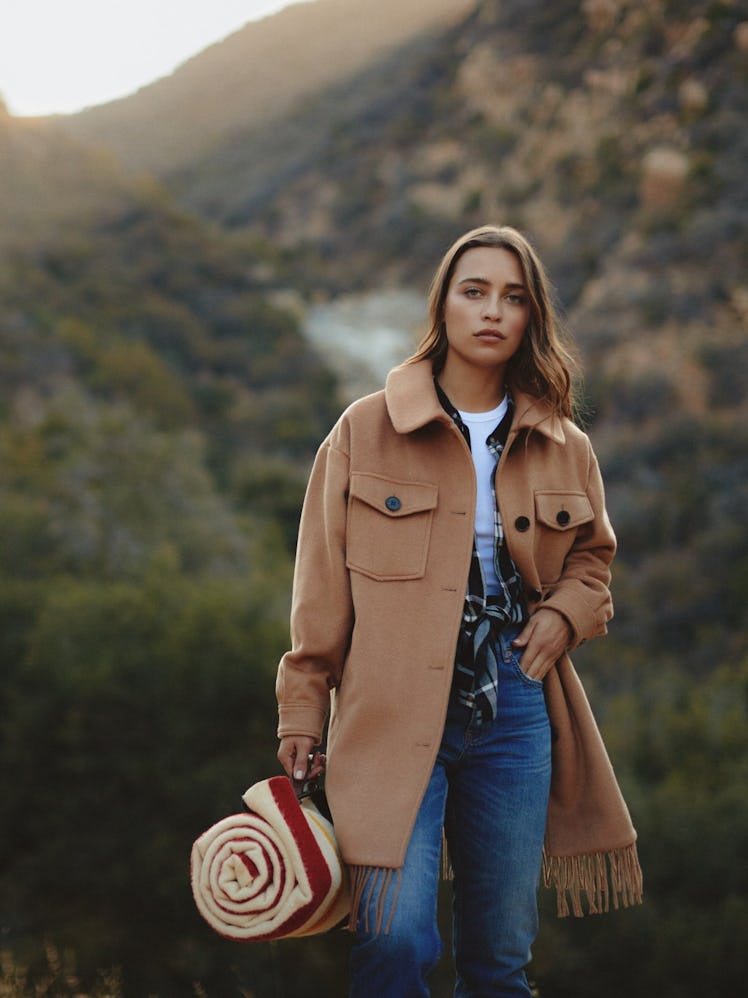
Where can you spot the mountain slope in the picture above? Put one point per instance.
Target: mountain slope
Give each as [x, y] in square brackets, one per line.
[583, 130]
[254, 76]
[137, 341]
[48, 180]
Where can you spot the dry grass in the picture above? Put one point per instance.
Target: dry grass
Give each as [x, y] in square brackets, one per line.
[58, 979]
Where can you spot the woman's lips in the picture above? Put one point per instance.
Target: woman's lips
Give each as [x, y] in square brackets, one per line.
[490, 334]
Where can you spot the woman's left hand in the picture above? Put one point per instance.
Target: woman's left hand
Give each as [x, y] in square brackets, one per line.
[545, 638]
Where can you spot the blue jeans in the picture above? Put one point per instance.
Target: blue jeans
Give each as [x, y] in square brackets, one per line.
[489, 788]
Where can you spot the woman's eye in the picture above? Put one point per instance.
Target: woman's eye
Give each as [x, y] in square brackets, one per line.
[515, 299]
[472, 292]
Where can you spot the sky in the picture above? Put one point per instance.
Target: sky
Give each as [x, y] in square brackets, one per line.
[58, 56]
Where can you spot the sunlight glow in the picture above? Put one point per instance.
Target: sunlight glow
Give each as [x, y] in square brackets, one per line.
[60, 57]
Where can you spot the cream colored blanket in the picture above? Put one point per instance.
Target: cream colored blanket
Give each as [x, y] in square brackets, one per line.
[271, 873]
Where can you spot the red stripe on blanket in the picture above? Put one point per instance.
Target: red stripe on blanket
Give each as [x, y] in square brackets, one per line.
[270, 849]
[317, 870]
[250, 866]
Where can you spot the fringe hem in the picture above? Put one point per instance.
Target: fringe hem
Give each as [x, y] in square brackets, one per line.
[370, 891]
[599, 876]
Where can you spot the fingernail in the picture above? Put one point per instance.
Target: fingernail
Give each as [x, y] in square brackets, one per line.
[299, 774]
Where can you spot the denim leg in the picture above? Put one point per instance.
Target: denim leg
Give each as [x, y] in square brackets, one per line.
[496, 812]
[490, 785]
[397, 964]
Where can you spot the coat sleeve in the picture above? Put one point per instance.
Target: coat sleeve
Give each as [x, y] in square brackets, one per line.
[321, 608]
[582, 593]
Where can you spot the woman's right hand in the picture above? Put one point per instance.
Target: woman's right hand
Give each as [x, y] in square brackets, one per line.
[293, 755]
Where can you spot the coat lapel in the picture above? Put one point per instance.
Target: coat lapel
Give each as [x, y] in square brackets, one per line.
[412, 403]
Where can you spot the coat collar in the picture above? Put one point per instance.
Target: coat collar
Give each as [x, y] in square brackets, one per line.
[412, 402]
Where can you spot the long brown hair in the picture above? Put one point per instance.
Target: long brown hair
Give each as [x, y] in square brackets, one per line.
[543, 366]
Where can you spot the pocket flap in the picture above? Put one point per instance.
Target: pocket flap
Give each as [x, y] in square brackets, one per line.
[393, 497]
[563, 510]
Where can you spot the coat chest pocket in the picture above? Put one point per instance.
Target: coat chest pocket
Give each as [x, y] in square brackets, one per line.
[562, 510]
[558, 515]
[389, 525]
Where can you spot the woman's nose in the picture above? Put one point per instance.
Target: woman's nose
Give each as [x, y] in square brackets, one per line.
[492, 309]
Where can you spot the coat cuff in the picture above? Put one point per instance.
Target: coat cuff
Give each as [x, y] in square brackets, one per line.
[301, 720]
[584, 621]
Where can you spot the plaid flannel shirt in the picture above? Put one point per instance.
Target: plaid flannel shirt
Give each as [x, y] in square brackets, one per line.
[476, 669]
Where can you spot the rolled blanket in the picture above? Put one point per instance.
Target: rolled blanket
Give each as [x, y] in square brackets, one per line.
[273, 872]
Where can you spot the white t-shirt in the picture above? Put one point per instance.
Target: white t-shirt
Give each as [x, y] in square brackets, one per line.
[481, 426]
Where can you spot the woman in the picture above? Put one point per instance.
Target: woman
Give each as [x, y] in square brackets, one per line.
[454, 546]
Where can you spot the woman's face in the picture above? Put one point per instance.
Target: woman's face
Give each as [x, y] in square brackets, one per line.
[486, 309]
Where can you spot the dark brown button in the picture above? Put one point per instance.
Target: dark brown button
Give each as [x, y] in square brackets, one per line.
[522, 524]
[562, 517]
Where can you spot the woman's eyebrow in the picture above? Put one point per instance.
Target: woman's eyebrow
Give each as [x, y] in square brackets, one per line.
[474, 280]
[484, 280]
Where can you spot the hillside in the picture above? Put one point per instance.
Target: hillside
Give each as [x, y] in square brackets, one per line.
[48, 179]
[582, 128]
[254, 77]
[123, 314]
[160, 404]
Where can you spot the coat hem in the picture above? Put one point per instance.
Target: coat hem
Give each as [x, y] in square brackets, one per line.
[370, 888]
[600, 876]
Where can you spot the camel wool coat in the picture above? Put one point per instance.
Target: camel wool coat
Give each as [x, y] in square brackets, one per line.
[384, 549]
